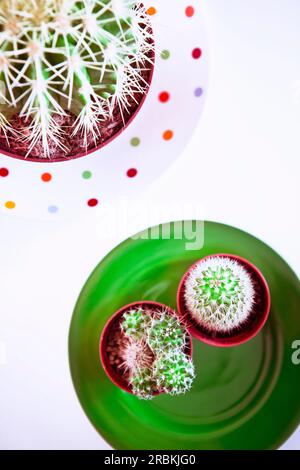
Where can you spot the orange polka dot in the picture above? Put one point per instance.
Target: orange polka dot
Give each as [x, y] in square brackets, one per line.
[151, 11]
[10, 204]
[46, 177]
[168, 135]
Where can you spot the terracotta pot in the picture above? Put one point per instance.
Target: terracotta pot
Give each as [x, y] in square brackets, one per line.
[252, 325]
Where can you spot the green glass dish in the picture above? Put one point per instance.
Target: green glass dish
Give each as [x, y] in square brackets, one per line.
[245, 397]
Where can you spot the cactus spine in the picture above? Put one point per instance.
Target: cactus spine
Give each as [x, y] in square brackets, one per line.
[70, 61]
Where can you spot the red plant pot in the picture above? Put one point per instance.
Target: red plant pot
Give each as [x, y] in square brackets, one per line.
[251, 326]
[113, 325]
[83, 153]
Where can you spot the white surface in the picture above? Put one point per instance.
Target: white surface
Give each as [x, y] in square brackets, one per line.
[241, 168]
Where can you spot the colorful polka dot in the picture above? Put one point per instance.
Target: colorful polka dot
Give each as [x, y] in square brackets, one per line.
[168, 135]
[10, 204]
[190, 11]
[52, 209]
[86, 175]
[132, 172]
[135, 142]
[46, 177]
[164, 96]
[165, 54]
[92, 202]
[4, 172]
[151, 11]
[198, 92]
[197, 53]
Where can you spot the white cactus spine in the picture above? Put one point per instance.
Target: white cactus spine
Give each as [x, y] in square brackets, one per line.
[219, 294]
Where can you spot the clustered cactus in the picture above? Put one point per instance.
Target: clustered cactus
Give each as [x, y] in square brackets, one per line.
[153, 353]
[68, 68]
[219, 294]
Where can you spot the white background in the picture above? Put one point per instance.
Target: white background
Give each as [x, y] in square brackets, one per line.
[241, 168]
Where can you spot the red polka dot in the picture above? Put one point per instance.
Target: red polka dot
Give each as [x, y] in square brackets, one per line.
[46, 177]
[197, 53]
[132, 173]
[4, 172]
[190, 11]
[164, 96]
[92, 202]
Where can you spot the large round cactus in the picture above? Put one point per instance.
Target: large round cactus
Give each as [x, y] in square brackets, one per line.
[219, 294]
[71, 72]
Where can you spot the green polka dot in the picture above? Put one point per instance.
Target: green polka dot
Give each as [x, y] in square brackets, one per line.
[135, 141]
[87, 175]
[165, 54]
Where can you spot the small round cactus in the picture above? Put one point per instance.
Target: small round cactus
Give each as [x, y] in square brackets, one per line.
[70, 71]
[174, 372]
[151, 344]
[136, 356]
[166, 333]
[134, 323]
[143, 384]
[219, 294]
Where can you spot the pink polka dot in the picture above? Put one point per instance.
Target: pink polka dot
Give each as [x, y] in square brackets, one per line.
[131, 173]
[196, 53]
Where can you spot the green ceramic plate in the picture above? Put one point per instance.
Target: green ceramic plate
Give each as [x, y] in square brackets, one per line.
[246, 397]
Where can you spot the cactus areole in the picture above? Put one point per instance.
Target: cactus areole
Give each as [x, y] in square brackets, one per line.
[72, 74]
[146, 350]
[224, 299]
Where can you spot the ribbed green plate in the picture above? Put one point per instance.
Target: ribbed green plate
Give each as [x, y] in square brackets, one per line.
[247, 397]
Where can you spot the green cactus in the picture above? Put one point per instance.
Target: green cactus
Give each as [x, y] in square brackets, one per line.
[143, 384]
[135, 323]
[219, 294]
[166, 333]
[174, 372]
